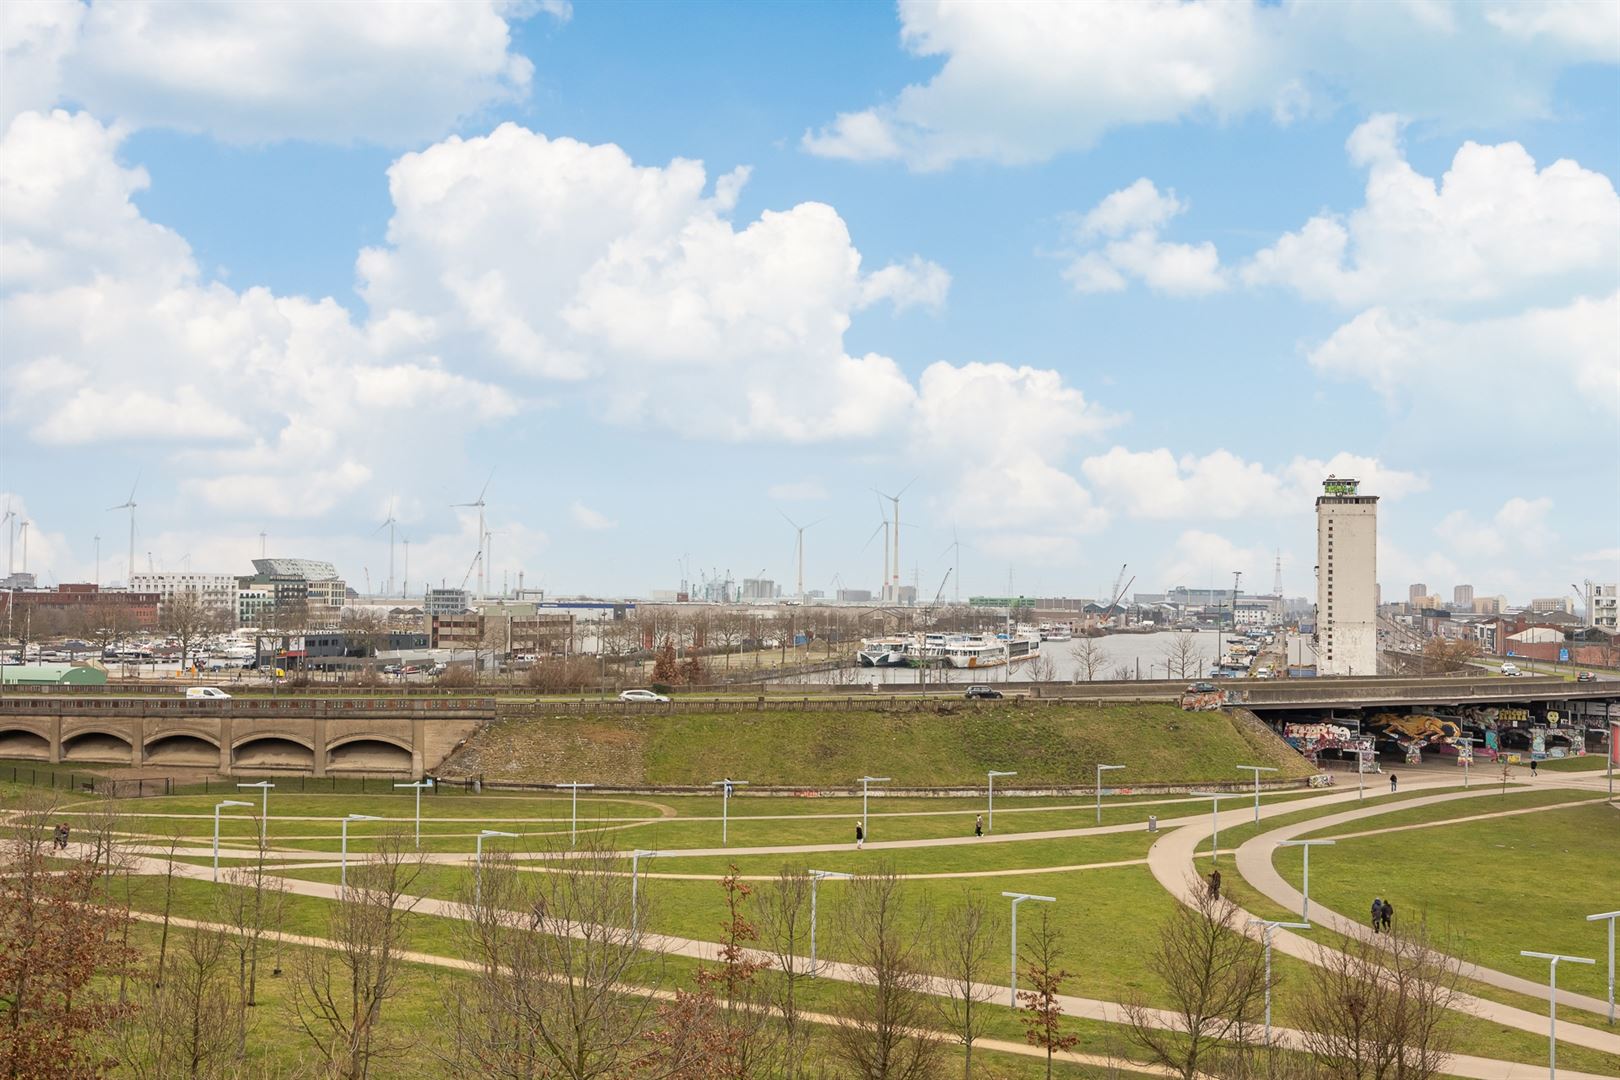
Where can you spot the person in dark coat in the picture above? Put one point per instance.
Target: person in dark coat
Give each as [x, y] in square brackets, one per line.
[1532, 768]
[1377, 913]
[1394, 782]
[1389, 913]
[860, 836]
[978, 824]
[1215, 884]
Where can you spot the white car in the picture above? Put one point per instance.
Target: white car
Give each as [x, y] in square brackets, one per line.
[206, 693]
[640, 695]
[1510, 669]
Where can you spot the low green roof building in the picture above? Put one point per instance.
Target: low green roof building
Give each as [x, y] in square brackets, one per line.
[52, 675]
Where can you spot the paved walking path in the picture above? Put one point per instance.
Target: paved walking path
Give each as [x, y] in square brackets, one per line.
[1254, 863]
[1461, 1065]
[1172, 860]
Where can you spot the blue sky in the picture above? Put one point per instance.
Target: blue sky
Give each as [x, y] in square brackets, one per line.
[1114, 283]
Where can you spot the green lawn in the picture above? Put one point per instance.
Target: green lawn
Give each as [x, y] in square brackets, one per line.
[1522, 882]
[950, 743]
[1588, 763]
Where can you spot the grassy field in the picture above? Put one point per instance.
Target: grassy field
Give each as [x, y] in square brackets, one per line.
[1522, 882]
[951, 744]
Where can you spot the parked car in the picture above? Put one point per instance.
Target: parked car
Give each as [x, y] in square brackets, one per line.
[206, 693]
[985, 693]
[640, 695]
[1586, 676]
[1201, 688]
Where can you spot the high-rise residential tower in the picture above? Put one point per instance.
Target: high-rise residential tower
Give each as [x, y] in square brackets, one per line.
[1346, 580]
[1463, 597]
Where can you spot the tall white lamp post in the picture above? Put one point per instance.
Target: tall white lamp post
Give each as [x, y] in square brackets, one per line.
[478, 862]
[725, 787]
[1257, 770]
[573, 829]
[990, 807]
[866, 781]
[815, 879]
[1100, 770]
[1018, 898]
[264, 787]
[1305, 912]
[343, 874]
[1270, 925]
[418, 785]
[635, 877]
[1552, 1002]
[1609, 917]
[1214, 798]
[217, 809]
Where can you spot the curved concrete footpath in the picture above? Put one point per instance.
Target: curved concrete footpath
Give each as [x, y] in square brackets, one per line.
[1172, 861]
[1254, 863]
[1461, 1065]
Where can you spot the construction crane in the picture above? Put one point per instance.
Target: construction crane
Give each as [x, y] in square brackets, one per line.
[477, 563]
[928, 612]
[1119, 591]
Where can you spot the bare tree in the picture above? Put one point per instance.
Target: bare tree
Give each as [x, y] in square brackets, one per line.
[730, 627]
[338, 994]
[188, 1025]
[170, 860]
[968, 937]
[1042, 669]
[187, 616]
[554, 952]
[1089, 658]
[1214, 978]
[784, 932]
[1124, 673]
[1384, 1006]
[881, 1035]
[252, 902]
[1183, 658]
[58, 940]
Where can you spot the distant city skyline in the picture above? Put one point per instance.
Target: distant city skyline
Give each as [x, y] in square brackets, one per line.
[663, 274]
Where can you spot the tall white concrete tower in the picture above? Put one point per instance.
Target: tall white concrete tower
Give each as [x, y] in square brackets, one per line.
[1346, 580]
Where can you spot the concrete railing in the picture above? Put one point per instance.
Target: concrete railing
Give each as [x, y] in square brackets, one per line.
[57, 704]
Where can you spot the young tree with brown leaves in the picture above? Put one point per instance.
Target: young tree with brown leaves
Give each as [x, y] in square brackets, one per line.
[1214, 977]
[882, 1035]
[1040, 1012]
[967, 940]
[57, 938]
[338, 994]
[664, 668]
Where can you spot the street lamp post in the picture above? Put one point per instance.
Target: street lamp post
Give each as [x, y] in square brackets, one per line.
[1257, 770]
[1270, 925]
[1552, 1003]
[478, 863]
[343, 875]
[418, 785]
[573, 828]
[264, 787]
[990, 808]
[217, 809]
[1466, 761]
[1305, 911]
[1018, 898]
[1214, 798]
[815, 879]
[1100, 769]
[865, 781]
[635, 876]
[1609, 917]
[725, 787]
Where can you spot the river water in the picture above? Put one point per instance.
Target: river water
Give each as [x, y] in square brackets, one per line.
[1142, 654]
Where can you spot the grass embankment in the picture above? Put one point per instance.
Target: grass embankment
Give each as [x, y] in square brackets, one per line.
[952, 743]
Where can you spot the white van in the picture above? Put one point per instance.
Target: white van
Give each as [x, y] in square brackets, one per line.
[206, 693]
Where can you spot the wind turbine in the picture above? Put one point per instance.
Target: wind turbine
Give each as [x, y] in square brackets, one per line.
[883, 527]
[389, 525]
[892, 587]
[482, 536]
[800, 546]
[129, 504]
[405, 588]
[24, 528]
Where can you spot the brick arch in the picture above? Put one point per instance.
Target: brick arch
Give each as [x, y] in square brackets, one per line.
[97, 744]
[24, 743]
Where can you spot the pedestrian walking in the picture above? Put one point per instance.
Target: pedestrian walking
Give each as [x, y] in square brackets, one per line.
[62, 836]
[1394, 783]
[978, 825]
[1389, 914]
[860, 836]
[1377, 913]
[1215, 884]
[1532, 768]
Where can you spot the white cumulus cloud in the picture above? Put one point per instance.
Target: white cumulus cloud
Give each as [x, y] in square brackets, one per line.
[1121, 239]
[586, 518]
